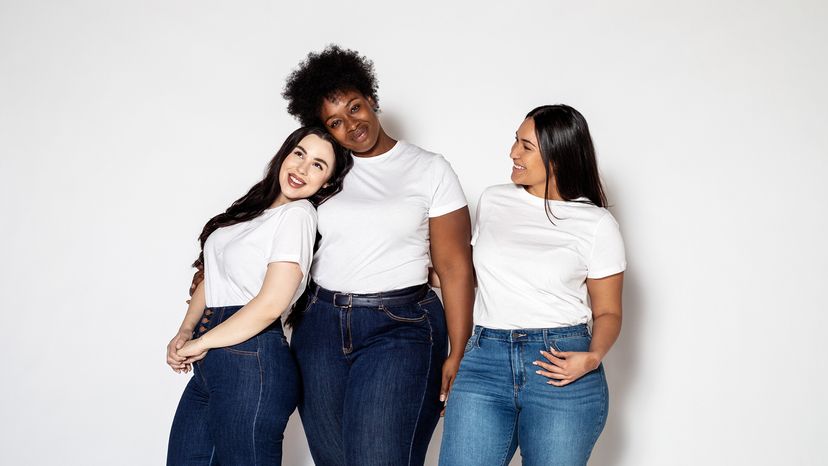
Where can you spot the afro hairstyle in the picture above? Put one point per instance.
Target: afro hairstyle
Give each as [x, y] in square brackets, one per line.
[322, 76]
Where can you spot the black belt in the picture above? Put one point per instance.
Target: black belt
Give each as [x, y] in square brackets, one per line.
[388, 298]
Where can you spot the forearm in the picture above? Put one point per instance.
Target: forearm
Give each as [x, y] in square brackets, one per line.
[605, 330]
[246, 323]
[194, 310]
[458, 300]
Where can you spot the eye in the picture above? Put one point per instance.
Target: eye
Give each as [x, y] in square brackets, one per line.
[299, 154]
[525, 147]
[318, 165]
[355, 108]
[334, 124]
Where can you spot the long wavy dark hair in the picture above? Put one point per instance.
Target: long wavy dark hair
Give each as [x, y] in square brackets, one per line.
[262, 195]
[568, 154]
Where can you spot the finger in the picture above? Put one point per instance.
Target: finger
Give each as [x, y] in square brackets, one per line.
[550, 375]
[444, 388]
[550, 367]
[554, 360]
[560, 354]
[559, 383]
[179, 343]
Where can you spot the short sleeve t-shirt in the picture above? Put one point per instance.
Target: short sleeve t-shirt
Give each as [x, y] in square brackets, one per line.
[374, 234]
[236, 257]
[532, 273]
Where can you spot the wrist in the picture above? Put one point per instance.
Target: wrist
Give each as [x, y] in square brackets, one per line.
[595, 359]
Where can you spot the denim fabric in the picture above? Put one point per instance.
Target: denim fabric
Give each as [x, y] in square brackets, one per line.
[371, 379]
[235, 408]
[498, 402]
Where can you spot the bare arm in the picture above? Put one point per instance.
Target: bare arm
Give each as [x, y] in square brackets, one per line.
[568, 366]
[451, 256]
[280, 284]
[185, 331]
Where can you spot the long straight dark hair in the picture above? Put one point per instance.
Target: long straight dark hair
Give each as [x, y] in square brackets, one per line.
[264, 193]
[568, 153]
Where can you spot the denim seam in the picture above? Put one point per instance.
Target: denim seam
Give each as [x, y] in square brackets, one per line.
[242, 352]
[409, 320]
[425, 390]
[603, 418]
[258, 405]
[505, 460]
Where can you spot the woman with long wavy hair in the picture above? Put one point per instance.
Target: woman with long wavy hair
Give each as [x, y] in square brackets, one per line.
[256, 258]
[549, 260]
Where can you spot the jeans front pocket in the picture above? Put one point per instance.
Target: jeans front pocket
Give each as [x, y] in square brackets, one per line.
[248, 347]
[579, 343]
[412, 313]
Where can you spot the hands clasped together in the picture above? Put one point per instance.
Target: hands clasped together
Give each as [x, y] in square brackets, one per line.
[183, 351]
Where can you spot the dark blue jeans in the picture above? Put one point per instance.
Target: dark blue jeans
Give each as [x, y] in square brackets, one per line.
[236, 405]
[371, 376]
[498, 402]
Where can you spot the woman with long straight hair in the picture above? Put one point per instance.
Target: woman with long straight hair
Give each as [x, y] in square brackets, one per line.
[256, 258]
[549, 259]
[371, 340]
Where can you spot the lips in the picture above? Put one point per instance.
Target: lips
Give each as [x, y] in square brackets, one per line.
[517, 167]
[359, 134]
[295, 182]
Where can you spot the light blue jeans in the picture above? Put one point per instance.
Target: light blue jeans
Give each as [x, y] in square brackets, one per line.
[498, 402]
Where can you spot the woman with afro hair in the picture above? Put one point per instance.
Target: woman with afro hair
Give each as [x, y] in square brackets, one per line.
[371, 340]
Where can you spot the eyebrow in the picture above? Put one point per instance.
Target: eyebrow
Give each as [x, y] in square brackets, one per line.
[301, 148]
[526, 141]
[347, 105]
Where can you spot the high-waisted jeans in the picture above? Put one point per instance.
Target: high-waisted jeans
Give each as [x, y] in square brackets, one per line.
[498, 402]
[371, 375]
[235, 408]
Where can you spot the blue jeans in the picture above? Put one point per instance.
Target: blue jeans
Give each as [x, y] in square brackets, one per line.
[236, 405]
[371, 375]
[498, 402]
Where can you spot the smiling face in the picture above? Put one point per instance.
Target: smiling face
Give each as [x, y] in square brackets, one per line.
[350, 118]
[306, 169]
[527, 163]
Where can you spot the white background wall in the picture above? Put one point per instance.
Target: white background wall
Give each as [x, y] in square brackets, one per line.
[125, 125]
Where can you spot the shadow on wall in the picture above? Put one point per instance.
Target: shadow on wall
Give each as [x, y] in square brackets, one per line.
[621, 363]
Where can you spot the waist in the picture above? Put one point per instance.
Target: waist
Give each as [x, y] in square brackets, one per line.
[213, 316]
[388, 298]
[531, 334]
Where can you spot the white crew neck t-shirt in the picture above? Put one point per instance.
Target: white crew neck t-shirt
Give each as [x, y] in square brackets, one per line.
[374, 234]
[236, 257]
[532, 273]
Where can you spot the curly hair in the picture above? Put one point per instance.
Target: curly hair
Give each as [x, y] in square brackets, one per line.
[323, 75]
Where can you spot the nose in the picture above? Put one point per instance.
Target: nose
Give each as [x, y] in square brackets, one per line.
[303, 167]
[513, 151]
[351, 123]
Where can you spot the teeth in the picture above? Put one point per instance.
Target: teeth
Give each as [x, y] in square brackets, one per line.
[296, 180]
[518, 167]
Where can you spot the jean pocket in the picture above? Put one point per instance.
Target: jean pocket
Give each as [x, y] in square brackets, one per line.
[579, 343]
[411, 313]
[248, 347]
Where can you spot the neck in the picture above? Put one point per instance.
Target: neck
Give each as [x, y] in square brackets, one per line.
[383, 145]
[551, 194]
[281, 200]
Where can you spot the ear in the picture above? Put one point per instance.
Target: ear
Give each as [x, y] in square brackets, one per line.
[325, 185]
[373, 103]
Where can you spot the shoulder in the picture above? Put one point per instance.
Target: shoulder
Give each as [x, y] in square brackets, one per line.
[300, 209]
[500, 192]
[433, 159]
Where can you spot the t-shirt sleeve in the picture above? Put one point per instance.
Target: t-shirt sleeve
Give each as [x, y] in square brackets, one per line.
[608, 257]
[293, 239]
[447, 194]
[477, 216]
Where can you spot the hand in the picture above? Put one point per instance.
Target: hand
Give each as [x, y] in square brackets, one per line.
[176, 362]
[193, 351]
[566, 366]
[450, 368]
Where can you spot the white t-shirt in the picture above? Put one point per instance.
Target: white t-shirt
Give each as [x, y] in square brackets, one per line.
[532, 273]
[236, 256]
[375, 232]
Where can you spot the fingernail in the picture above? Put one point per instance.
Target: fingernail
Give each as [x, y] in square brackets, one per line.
[442, 397]
[537, 372]
[534, 363]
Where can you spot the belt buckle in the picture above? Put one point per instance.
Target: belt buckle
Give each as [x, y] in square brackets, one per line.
[336, 299]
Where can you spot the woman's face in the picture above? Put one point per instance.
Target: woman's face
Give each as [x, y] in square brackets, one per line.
[527, 164]
[307, 168]
[350, 118]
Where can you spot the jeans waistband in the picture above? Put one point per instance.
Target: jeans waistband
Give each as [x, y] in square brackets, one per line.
[213, 316]
[531, 334]
[388, 298]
